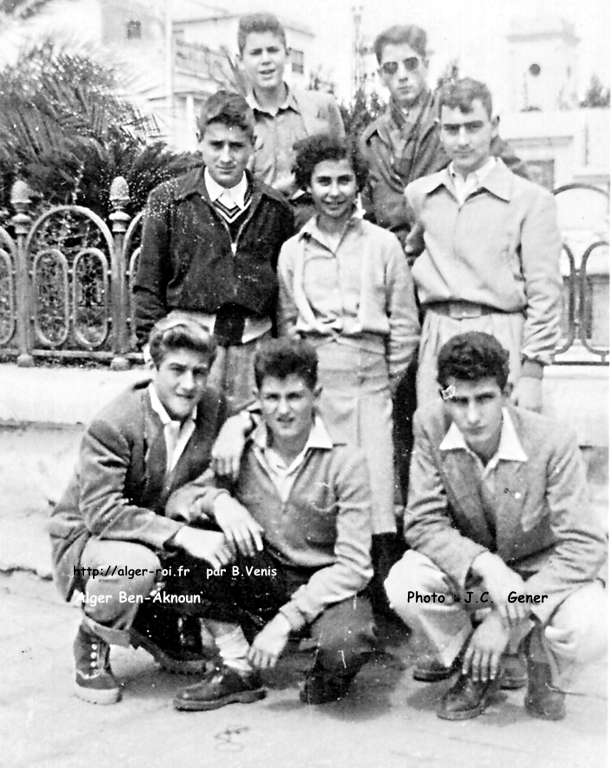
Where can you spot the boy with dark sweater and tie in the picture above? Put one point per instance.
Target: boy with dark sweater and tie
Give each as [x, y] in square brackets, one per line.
[210, 245]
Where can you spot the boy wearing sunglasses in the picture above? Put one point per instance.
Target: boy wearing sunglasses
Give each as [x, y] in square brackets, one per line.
[400, 146]
[403, 144]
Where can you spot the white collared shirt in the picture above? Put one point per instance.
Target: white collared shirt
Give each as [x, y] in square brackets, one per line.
[283, 475]
[230, 197]
[509, 448]
[176, 433]
[464, 187]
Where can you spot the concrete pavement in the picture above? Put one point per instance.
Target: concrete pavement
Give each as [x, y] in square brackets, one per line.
[388, 720]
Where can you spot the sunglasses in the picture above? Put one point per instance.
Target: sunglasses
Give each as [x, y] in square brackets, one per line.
[410, 65]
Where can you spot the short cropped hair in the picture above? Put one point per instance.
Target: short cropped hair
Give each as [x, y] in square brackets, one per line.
[230, 109]
[316, 149]
[462, 93]
[473, 356]
[178, 330]
[414, 36]
[286, 356]
[259, 22]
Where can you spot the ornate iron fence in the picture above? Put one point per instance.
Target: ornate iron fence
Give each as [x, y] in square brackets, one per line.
[66, 279]
[586, 274]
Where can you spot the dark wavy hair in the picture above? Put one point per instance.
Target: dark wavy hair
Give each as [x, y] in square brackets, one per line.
[316, 149]
[228, 108]
[178, 330]
[414, 36]
[461, 93]
[473, 356]
[283, 357]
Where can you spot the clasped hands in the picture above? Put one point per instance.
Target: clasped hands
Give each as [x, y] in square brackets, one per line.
[244, 533]
[482, 657]
[240, 532]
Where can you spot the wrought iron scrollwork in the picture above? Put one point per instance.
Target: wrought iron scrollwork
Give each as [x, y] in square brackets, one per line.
[70, 251]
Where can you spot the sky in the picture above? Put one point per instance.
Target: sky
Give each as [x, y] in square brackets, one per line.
[472, 30]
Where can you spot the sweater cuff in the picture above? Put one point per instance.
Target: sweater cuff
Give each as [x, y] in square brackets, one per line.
[293, 615]
[169, 545]
[532, 369]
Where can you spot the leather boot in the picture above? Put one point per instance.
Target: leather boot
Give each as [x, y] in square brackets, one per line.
[543, 700]
[466, 698]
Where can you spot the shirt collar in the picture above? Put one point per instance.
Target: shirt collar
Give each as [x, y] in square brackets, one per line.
[290, 102]
[311, 228]
[509, 448]
[318, 437]
[479, 175]
[158, 407]
[498, 180]
[235, 194]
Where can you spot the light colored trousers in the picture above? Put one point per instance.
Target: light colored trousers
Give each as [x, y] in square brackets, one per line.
[106, 613]
[438, 329]
[356, 407]
[575, 635]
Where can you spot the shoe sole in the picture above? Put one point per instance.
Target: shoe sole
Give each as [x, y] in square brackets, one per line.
[423, 675]
[431, 677]
[240, 697]
[506, 684]
[98, 696]
[166, 662]
[468, 714]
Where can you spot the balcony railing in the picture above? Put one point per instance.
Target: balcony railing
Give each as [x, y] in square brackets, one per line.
[65, 281]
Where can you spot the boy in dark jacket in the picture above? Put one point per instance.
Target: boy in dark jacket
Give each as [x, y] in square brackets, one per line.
[210, 243]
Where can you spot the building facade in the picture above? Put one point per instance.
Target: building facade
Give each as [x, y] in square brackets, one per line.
[165, 65]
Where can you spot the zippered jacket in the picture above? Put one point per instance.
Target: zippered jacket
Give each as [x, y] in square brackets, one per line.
[188, 260]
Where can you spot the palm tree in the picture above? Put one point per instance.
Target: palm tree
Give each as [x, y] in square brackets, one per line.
[21, 9]
[64, 130]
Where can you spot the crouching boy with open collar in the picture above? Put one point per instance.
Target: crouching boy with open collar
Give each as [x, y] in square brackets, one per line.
[498, 518]
[110, 537]
[299, 521]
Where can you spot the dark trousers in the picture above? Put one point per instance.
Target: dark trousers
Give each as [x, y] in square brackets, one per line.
[344, 632]
[387, 548]
[404, 406]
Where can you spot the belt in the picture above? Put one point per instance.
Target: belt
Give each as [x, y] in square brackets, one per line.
[369, 342]
[460, 310]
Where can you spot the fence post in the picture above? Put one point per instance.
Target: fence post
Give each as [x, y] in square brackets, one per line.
[20, 200]
[119, 198]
